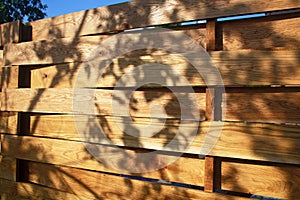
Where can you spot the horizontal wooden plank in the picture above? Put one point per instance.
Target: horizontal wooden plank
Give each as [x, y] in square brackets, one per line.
[66, 50]
[248, 67]
[9, 77]
[115, 128]
[243, 67]
[271, 32]
[9, 122]
[141, 104]
[103, 186]
[52, 51]
[264, 142]
[273, 107]
[8, 168]
[280, 181]
[10, 190]
[10, 32]
[181, 170]
[144, 13]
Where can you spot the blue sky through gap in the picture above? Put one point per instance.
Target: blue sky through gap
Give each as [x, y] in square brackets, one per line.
[59, 7]
[56, 8]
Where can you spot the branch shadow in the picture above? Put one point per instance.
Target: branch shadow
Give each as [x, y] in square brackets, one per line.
[48, 48]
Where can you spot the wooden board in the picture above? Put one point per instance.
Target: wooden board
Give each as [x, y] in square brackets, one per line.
[281, 181]
[9, 77]
[115, 128]
[243, 67]
[10, 190]
[8, 122]
[144, 13]
[142, 103]
[8, 167]
[248, 67]
[182, 170]
[10, 32]
[52, 51]
[103, 186]
[263, 106]
[264, 142]
[66, 50]
[272, 32]
[1, 58]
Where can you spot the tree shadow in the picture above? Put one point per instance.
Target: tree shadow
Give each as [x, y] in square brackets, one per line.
[49, 49]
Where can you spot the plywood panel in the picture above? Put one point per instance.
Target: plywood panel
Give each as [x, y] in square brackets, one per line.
[144, 13]
[15, 191]
[264, 142]
[243, 67]
[8, 167]
[274, 181]
[105, 186]
[270, 32]
[8, 122]
[142, 103]
[10, 32]
[273, 107]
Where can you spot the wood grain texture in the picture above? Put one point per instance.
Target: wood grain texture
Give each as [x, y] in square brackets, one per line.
[1, 58]
[280, 181]
[10, 190]
[211, 28]
[248, 67]
[9, 77]
[272, 32]
[66, 50]
[213, 104]
[10, 32]
[8, 168]
[9, 122]
[212, 179]
[242, 67]
[144, 13]
[181, 170]
[272, 107]
[104, 102]
[264, 142]
[51, 51]
[136, 132]
[104, 186]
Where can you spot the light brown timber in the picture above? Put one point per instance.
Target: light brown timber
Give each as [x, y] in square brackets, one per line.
[277, 143]
[99, 101]
[280, 181]
[143, 13]
[10, 190]
[242, 67]
[8, 169]
[272, 107]
[98, 185]
[271, 32]
[10, 32]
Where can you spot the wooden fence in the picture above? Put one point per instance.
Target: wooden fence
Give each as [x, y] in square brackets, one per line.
[257, 154]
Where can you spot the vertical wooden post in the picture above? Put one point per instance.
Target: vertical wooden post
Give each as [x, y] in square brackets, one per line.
[214, 98]
[212, 179]
[211, 27]
[11, 168]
